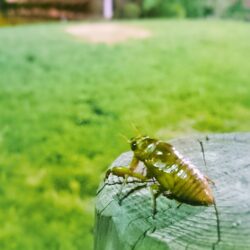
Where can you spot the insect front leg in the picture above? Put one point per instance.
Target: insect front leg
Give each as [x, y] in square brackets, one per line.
[126, 172]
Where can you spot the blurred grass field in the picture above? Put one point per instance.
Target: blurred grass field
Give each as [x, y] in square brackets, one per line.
[63, 103]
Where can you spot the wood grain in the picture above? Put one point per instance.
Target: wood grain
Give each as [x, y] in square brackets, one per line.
[130, 225]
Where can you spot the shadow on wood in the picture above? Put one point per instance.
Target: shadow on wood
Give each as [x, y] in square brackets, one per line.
[130, 225]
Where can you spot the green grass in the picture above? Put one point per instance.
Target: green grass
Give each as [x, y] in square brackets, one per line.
[64, 102]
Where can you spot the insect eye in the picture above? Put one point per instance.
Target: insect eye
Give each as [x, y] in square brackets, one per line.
[133, 145]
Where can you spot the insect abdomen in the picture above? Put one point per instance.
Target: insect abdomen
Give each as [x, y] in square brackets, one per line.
[191, 186]
[174, 174]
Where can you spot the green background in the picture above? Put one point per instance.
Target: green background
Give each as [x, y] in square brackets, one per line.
[64, 102]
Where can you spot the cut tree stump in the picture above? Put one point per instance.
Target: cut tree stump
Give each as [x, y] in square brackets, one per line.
[130, 225]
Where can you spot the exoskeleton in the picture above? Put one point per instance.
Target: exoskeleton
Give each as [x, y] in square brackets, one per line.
[175, 177]
[168, 173]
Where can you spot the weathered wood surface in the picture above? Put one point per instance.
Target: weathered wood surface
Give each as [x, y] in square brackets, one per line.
[131, 226]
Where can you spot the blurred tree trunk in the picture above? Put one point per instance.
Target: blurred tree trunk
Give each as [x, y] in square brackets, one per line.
[108, 9]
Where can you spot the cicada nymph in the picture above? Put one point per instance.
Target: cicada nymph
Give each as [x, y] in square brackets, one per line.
[169, 173]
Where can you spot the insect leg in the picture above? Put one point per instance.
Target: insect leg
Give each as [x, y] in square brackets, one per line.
[125, 171]
[155, 192]
[121, 188]
[204, 159]
[215, 206]
[218, 226]
[137, 188]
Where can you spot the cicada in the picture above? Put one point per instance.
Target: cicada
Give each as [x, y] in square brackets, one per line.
[174, 175]
[168, 172]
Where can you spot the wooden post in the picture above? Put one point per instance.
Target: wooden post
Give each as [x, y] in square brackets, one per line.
[107, 9]
[130, 226]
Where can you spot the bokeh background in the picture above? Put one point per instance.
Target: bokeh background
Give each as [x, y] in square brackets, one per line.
[64, 101]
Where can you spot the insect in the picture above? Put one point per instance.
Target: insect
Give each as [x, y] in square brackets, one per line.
[175, 177]
[169, 173]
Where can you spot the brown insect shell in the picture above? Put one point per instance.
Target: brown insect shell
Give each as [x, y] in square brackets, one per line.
[172, 172]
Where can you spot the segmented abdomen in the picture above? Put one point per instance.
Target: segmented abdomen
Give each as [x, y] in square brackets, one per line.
[191, 186]
[178, 176]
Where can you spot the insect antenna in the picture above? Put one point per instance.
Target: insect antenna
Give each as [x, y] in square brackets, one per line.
[124, 137]
[136, 129]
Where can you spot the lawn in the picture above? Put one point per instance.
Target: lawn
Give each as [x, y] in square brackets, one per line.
[63, 103]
